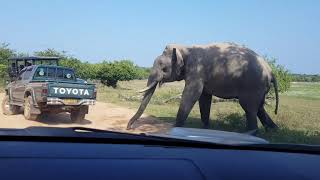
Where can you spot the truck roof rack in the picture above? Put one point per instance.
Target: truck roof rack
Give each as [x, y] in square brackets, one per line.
[37, 58]
[16, 64]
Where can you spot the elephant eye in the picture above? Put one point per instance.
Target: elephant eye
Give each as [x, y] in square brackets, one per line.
[165, 69]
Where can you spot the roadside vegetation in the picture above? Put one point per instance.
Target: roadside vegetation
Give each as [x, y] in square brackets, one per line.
[305, 77]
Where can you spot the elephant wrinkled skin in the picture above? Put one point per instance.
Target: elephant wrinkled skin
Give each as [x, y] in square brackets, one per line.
[226, 70]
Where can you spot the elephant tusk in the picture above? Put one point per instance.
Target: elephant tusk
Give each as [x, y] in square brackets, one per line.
[149, 87]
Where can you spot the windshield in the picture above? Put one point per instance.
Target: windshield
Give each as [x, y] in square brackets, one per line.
[214, 68]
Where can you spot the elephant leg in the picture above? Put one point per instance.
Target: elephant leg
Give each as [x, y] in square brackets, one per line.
[250, 104]
[190, 96]
[265, 119]
[251, 121]
[205, 106]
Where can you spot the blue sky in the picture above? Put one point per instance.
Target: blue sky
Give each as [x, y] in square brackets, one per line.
[139, 30]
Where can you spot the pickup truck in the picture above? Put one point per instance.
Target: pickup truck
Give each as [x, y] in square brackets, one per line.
[48, 89]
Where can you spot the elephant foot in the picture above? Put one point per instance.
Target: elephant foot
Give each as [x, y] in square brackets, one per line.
[178, 124]
[271, 129]
[253, 132]
[206, 126]
[274, 126]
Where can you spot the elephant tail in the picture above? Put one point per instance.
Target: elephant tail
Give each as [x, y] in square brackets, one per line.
[275, 85]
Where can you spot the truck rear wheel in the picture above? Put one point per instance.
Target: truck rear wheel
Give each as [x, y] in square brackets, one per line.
[7, 108]
[27, 109]
[77, 115]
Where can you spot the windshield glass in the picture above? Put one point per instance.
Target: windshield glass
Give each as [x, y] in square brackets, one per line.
[137, 67]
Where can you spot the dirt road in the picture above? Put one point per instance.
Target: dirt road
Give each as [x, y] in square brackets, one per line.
[101, 116]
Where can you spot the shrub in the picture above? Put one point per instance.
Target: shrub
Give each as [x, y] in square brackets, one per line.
[305, 78]
[142, 72]
[109, 73]
[5, 53]
[3, 74]
[281, 73]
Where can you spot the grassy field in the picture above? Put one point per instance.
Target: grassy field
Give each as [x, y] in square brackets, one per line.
[298, 116]
[306, 90]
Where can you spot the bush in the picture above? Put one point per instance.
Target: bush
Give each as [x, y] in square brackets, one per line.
[109, 73]
[142, 72]
[5, 53]
[305, 78]
[3, 74]
[281, 73]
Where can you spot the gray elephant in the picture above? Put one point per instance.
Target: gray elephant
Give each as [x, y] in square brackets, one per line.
[225, 70]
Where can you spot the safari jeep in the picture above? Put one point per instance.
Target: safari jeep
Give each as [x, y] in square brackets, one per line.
[48, 88]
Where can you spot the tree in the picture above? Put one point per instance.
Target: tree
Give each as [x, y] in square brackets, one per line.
[5, 53]
[281, 73]
[51, 53]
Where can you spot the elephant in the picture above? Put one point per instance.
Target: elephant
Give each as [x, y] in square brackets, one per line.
[225, 70]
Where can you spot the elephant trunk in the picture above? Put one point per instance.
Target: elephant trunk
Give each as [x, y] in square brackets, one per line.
[151, 87]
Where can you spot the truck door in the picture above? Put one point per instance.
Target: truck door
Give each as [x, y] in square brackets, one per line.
[21, 83]
[17, 85]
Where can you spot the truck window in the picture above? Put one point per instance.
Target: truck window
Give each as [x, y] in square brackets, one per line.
[20, 75]
[68, 74]
[51, 72]
[41, 72]
[54, 73]
[60, 73]
[27, 74]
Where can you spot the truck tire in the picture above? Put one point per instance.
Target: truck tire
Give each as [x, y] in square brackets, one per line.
[27, 109]
[8, 109]
[77, 116]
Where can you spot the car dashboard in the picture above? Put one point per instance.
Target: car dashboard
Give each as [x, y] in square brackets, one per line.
[81, 160]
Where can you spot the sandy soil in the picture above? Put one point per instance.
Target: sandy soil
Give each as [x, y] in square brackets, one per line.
[105, 116]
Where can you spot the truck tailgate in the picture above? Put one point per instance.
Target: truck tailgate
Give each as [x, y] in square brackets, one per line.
[71, 90]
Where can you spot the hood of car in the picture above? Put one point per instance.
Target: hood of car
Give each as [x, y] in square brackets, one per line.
[214, 136]
[200, 135]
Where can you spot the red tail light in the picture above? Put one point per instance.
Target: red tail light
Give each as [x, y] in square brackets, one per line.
[95, 94]
[44, 92]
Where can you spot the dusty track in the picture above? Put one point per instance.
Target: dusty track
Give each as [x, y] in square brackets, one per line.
[101, 116]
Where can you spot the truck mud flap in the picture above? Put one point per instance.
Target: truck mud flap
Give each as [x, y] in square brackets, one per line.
[84, 109]
[35, 110]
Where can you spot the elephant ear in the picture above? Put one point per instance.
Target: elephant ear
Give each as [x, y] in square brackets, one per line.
[177, 61]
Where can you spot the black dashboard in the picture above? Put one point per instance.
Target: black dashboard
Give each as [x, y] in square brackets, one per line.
[75, 160]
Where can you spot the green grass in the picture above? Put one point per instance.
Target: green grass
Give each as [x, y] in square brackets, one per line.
[307, 90]
[298, 116]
